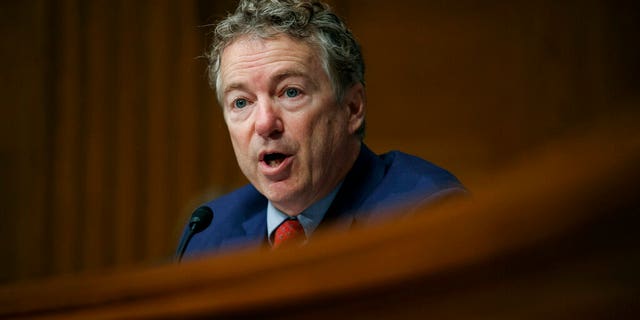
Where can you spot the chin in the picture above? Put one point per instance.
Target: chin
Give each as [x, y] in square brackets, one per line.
[279, 195]
[287, 202]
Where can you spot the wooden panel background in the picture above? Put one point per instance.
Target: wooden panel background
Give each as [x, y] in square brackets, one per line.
[109, 135]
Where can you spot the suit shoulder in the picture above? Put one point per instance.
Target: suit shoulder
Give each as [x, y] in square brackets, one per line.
[421, 174]
[403, 162]
[245, 198]
[408, 182]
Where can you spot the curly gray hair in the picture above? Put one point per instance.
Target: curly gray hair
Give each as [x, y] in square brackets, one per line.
[306, 20]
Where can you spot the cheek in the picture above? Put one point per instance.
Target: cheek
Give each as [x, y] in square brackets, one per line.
[334, 124]
[324, 135]
[238, 131]
[235, 139]
[236, 146]
[240, 143]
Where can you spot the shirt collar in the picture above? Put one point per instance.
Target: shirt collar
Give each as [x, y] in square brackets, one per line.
[310, 218]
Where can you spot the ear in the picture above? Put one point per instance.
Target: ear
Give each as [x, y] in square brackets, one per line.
[355, 101]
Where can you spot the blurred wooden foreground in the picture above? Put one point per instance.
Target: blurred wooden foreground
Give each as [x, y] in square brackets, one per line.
[554, 235]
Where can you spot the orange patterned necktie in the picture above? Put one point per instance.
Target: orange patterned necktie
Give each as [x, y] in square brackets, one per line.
[289, 232]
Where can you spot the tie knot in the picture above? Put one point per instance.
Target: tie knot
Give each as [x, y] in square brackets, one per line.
[289, 232]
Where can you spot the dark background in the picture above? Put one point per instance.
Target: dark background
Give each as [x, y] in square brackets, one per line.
[110, 136]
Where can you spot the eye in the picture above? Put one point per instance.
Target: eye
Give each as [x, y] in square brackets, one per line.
[240, 103]
[292, 92]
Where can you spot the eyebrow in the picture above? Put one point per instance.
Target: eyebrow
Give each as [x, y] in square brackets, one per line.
[233, 86]
[277, 78]
[288, 73]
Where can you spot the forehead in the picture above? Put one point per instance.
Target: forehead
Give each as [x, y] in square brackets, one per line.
[248, 55]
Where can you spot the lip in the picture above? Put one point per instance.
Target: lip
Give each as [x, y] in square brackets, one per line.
[279, 172]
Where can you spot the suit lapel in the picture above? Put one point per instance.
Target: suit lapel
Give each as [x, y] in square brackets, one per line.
[365, 175]
[250, 232]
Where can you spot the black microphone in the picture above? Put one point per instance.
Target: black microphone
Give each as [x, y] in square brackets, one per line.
[200, 220]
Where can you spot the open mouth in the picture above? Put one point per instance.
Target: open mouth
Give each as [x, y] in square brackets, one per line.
[274, 159]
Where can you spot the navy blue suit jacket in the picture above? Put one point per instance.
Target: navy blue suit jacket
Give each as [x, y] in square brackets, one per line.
[376, 186]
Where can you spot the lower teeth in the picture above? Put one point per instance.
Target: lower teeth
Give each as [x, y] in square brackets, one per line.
[274, 163]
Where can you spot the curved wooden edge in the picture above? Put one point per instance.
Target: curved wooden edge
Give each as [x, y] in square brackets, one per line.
[551, 195]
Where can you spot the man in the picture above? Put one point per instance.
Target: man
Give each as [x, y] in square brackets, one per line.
[290, 79]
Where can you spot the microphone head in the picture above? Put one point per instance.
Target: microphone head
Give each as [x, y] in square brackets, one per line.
[200, 219]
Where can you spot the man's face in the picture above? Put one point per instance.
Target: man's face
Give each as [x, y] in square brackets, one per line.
[293, 140]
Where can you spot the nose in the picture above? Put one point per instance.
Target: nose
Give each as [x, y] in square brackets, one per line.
[268, 121]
